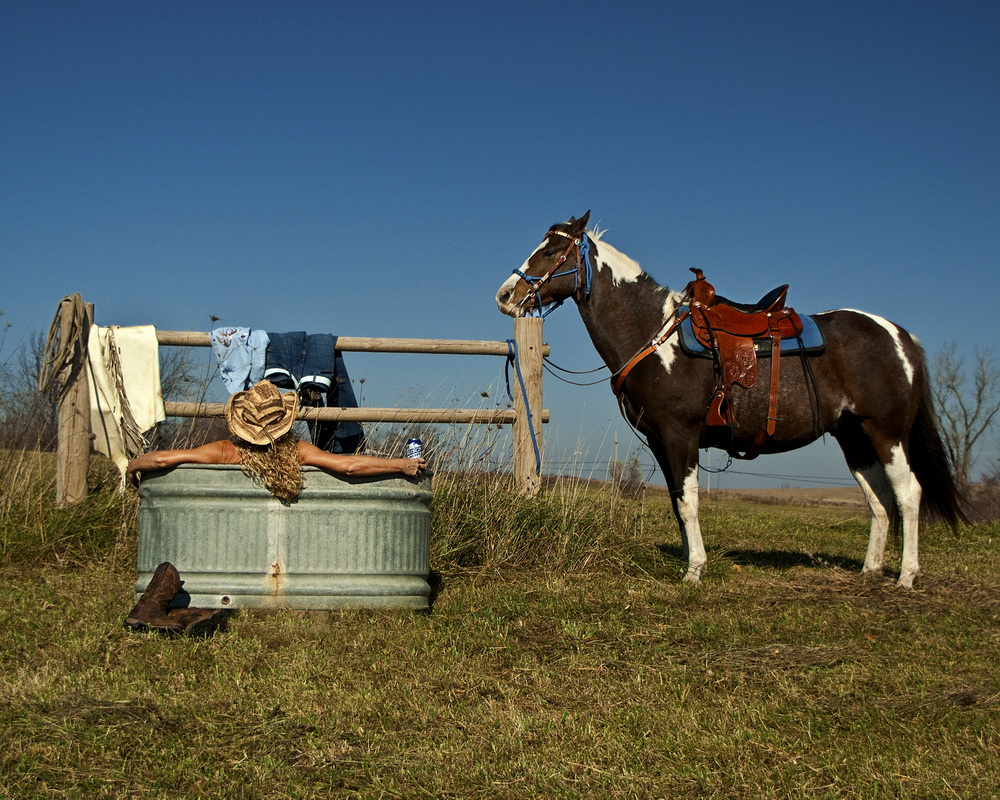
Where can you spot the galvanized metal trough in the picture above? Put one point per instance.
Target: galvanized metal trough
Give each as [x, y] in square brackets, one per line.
[344, 543]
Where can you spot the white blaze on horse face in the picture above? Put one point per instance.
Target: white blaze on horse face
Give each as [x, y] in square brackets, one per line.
[507, 288]
[541, 246]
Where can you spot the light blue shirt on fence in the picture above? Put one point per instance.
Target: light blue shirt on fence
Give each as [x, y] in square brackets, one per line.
[241, 353]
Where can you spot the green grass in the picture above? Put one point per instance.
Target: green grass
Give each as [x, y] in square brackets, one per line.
[562, 659]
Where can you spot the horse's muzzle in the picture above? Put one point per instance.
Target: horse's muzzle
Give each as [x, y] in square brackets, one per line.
[507, 301]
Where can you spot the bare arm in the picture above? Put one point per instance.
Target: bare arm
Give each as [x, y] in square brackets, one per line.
[312, 456]
[222, 452]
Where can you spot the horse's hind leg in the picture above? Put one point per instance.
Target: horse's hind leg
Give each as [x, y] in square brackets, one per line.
[888, 482]
[880, 499]
[908, 494]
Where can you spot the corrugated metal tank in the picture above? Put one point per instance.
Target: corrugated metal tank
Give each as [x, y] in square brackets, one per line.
[345, 543]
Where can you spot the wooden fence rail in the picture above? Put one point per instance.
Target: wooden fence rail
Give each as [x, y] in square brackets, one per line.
[526, 417]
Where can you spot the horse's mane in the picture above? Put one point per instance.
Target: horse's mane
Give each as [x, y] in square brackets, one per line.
[597, 233]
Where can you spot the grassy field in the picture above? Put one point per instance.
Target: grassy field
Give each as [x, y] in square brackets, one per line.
[562, 659]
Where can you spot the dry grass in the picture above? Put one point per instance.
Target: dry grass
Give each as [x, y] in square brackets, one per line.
[562, 659]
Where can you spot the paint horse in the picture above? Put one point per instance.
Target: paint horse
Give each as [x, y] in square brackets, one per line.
[867, 386]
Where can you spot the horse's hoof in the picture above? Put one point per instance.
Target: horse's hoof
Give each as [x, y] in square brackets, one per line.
[691, 577]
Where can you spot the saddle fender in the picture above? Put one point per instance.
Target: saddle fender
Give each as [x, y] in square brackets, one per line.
[729, 331]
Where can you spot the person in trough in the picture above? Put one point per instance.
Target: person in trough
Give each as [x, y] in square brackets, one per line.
[264, 444]
[260, 420]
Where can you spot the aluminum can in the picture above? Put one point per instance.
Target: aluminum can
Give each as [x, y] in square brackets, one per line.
[414, 448]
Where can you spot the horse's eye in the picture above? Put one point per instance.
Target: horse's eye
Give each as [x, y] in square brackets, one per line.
[549, 253]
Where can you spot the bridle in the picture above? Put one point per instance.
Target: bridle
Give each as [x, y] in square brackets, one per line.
[584, 277]
[578, 245]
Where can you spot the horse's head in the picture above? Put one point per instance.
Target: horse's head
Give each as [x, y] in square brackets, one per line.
[557, 269]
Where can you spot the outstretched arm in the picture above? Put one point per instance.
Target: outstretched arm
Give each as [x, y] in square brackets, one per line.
[222, 452]
[312, 456]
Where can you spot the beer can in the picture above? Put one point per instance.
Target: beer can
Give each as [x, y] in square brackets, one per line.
[414, 448]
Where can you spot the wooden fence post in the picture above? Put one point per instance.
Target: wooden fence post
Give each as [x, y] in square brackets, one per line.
[73, 448]
[528, 338]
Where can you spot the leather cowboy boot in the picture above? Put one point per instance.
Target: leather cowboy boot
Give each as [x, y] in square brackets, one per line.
[151, 610]
[198, 622]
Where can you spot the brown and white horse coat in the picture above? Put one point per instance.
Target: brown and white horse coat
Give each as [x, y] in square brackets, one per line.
[868, 388]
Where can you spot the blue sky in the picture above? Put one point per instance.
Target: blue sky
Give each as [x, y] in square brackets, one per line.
[379, 169]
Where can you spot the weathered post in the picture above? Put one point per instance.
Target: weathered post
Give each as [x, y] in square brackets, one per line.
[528, 338]
[73, 450]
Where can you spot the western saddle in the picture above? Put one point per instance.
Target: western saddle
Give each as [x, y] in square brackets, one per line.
[733, 332]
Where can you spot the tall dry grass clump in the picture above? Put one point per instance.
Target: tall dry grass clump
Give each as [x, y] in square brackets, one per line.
[480, 521]
[33, 530]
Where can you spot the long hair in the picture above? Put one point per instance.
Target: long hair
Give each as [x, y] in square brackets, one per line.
[275, 465]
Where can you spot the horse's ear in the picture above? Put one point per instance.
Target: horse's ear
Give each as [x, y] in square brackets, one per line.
[578, 226]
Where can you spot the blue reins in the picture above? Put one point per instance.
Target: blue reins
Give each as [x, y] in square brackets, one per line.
[514, 358]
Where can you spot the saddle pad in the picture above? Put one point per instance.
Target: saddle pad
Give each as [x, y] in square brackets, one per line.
[809, 341]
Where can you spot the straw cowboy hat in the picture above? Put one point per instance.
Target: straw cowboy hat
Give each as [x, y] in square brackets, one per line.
[261, 414]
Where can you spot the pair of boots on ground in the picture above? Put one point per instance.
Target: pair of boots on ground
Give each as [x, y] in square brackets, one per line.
[151, 612]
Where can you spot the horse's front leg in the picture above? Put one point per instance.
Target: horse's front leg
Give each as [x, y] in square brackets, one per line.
[680, 468]
[686, 510]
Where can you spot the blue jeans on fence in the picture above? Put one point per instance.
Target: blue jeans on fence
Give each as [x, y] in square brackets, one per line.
[300, 359]
[311, 364]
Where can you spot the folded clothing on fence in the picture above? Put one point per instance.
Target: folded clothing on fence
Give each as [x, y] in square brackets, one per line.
[312, 365]
[241, 354]
[126, 399]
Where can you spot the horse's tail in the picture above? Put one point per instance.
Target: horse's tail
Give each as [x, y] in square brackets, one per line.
[932, 464]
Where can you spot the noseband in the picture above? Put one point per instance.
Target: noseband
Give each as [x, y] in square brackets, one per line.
[581, 268]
